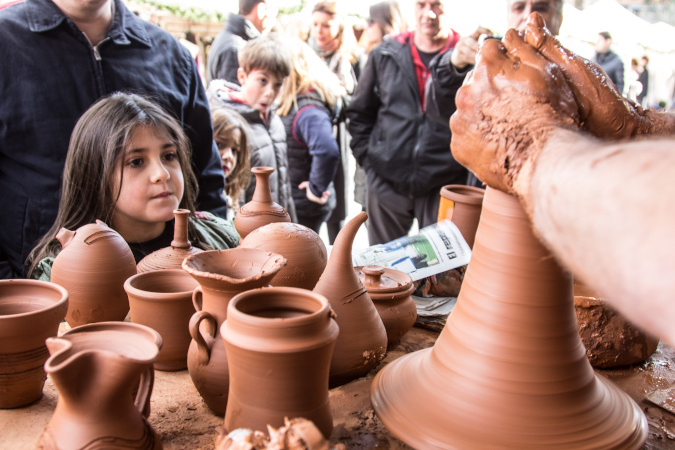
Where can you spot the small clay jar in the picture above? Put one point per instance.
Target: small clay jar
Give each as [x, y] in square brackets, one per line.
[171, 257]
[390, 291]
[610, 340]
[30, 312]
[462, 205]
[262, 209]
[162, 300]
[221, 275]
[279, 344]
[301, 246]
[93, 266]
[104, 376]
[362, 342]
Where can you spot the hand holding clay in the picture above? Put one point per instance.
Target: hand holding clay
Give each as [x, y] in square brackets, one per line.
[602, 109]
[506, 110]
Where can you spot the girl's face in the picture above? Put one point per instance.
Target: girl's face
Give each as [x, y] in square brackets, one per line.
[229, 151]
[152, 185]
[324, 30]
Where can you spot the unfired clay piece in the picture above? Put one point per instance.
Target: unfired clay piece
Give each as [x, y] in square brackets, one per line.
[262, 209]
[30, 312]
[509, 369]
[465, 212]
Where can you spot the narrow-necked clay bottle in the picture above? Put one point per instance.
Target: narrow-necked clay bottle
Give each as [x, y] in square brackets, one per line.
[509, 369]
[96, 369]
[30, 312]
[171, 257]
[279, 343]
[93, 266]
[390, 290]
[467, 202]
[262, 209]
[301, 246]
[221, 274]
[362, 342]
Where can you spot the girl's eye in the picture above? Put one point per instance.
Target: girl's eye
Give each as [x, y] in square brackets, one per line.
[170, 156]
[235, 151]
[135, 162]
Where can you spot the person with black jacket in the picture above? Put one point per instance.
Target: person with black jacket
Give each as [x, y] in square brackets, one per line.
[406, 155]
[608, 60]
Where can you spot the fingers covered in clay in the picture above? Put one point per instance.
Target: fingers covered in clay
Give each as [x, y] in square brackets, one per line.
[506, 110]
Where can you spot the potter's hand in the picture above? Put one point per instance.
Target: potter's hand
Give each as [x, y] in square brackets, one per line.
[464, 53]
[506, 110]
[602, 109]
[320, 200]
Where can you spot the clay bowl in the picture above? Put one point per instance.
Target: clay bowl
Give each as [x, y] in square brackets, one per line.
[30, 312]
[162, 300]
[301, 246]
[610, 340]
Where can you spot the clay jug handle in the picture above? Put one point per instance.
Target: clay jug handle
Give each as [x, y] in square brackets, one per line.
[65, 236]
[203, 344]
[145, 385]
[197, 298]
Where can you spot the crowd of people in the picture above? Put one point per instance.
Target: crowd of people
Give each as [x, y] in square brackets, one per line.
[106, 118]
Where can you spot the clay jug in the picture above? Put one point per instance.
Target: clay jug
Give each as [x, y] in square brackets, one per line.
[279, 344]
[96, 369]
[509, 369]
[221, 275]
[30, 312]
[390, 290]
[93, 266]
[462, 205]
[262, 209]
[301, 246]
[362, 342]
[162, 300]
[609, 339]
[171, 257]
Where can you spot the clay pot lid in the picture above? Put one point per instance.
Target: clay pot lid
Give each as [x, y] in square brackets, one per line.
[378, 280]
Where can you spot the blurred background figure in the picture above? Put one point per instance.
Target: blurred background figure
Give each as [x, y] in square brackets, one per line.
[608, 60]
[644, 80]
[633, 85]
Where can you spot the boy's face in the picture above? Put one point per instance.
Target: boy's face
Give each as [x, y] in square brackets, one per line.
[259, 88]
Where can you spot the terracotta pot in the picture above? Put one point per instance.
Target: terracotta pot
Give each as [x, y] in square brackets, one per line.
[509, 369]
[462, 205]
[262, 209]
[301, 246]
[279, 344]
[610, 340]
[93, 266]
[30, 312]
[96, 369]
[362, 342]
[390, 290]
[171, 257]
[162, 300]
[221, 275]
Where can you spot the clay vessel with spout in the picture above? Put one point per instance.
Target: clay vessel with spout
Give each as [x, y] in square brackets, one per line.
[30, 312]
[221, 275]
[96, 369]
[509, 369]
[93, 266]
[362, 342]
[262, 209]
[171, 257]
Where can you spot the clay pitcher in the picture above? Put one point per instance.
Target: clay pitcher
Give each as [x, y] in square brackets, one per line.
[362, 342]
[509, 369]
[93, 266]
[171, 257]
[262, 209]
[301, 246]
[30, 312]
[162, 300]
[390, 290]
[221, 275]
[462, 205]
[96, 369]
[279, 344]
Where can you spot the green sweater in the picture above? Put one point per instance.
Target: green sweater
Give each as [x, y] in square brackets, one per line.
[214, 232]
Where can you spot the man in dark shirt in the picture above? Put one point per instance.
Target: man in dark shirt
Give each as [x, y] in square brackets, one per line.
[608, 60]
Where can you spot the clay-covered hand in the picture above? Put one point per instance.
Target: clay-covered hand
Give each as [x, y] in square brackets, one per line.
[464, 53]
[602, 109]
[506, 110]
